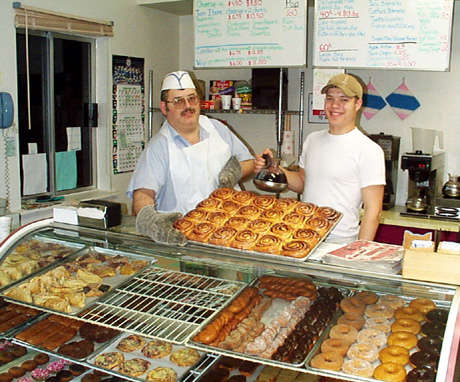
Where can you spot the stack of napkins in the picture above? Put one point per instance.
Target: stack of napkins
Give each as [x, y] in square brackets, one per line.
[367, 255]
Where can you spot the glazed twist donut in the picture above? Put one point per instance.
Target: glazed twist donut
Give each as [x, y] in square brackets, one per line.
[259, 225]
[237, 222]
[183, 225]
[223, 193]
[328, 213]
[273, 215]
[197, 215]
[295, 248]
[282, 230]
[243, 197]
[264, 201]
[209, 204]
[218, 218]
[251, 212]
[306, 209]
[294, 219]
[268, 244]
[319, 224]
[222, 236]
[245, 239]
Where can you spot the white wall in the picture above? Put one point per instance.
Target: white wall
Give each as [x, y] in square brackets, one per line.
[139, 31]
[436, 92]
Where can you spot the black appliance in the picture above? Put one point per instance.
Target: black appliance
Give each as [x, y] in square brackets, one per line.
[266, 88]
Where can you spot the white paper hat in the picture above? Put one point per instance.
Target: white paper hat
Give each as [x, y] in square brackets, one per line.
[177, 80]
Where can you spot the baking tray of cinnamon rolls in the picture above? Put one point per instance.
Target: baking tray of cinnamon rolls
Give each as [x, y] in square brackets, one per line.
[255, 224]
[275, 320]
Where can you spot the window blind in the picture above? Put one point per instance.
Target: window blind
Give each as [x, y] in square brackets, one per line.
[41, 19]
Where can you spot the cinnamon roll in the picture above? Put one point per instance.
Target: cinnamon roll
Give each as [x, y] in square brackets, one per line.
[250, 212]
[218, 218]
[294, 219]
[209, 204]
[268, 244]
[296, 248]
[308, 235]
[245, 239]
[328, 213]
[238, 222]
[243, 197]
[201, 232]
[306, 209]
[287, 204]
[282, 230]
[230, 207]
[264, 201]
[223, 193]
[222, 236]
[274, 215]
[183, 225]
[259, 225]
[319, 224]
[197, 215]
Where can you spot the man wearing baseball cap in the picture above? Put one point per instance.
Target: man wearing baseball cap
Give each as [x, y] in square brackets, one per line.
[184, 162]
[341, 167]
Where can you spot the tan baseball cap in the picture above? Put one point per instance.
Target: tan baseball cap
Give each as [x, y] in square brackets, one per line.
[347, 83]
[177, 80]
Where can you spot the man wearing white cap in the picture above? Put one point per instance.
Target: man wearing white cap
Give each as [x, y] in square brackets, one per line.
[189, 157]
[341, 167]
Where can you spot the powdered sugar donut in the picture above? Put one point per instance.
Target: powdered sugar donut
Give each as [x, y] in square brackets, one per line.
[372, 336]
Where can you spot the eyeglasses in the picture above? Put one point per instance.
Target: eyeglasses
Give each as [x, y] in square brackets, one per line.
[180, 102]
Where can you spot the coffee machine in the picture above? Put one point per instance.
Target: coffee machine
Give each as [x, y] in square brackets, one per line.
[390, 147]
[426, 174]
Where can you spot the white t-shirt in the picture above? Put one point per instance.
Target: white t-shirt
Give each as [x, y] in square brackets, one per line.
[336, 168]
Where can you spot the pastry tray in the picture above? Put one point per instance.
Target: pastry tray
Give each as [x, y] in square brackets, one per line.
[159, 362]
[265, 255]
[162, 304]
[340, 374]
[97, 345]
[7, 333]
[74, 247]
[113, 282]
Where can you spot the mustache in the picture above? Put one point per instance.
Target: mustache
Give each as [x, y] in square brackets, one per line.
[188, 110]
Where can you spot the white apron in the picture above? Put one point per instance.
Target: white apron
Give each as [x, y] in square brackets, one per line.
[195, 169]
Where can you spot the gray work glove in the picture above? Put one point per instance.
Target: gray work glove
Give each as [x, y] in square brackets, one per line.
[159, 226]
[230, 174]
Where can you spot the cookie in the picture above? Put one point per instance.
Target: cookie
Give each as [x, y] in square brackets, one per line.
[109, 360]
[134, 367]
[131, 343]
[184, 357]
[162, 374]
[157, 349]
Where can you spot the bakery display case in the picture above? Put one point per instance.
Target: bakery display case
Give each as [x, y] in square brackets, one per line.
[183, 293]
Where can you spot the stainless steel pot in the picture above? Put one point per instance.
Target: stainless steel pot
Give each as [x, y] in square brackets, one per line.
[451, 188]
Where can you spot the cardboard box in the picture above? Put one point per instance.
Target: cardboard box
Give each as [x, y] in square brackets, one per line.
[217, 88]
[431, 266]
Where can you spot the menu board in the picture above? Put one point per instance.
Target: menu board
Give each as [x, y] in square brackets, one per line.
[250, 33]
[398, 34]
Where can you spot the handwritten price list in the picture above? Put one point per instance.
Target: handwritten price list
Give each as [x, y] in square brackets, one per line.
[402, 34]
[250, 33]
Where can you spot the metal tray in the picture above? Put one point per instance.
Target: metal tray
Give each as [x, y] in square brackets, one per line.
[113, 282]
[7, 333]
[162, 304]
[264, 255]
[163, 362]
[97, 345]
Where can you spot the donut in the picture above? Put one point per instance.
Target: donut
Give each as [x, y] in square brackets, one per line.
[394, 353]
[16, 371]
[352, 319]
[408, 312]
[6, 377]
[424, 359]
[41, 358]
[391, 372]
[359, 367]
[421, 374]
[336, 345]
[379, 323]
[29, 365]
[372, 336]
[353, 305]
[393, 302]
[405, 339]
[367, 352]
[431, 344]
[328, 361]
[345, 332]
[438, 315]
[424, 305]
[379, 310]
[367, 297]
[406, 325]
[432, 328]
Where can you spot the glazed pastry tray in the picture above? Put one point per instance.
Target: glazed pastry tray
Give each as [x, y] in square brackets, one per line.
[162, 304]
[108, 258]
[265, 255]
[164, 361]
